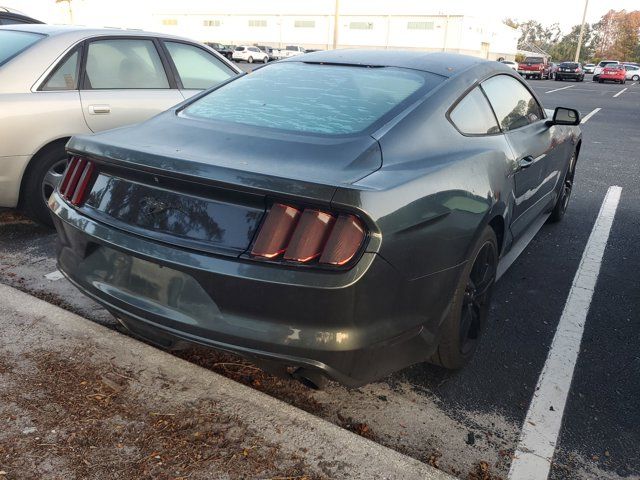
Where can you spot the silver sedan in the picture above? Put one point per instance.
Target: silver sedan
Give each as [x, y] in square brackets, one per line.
[59, 81]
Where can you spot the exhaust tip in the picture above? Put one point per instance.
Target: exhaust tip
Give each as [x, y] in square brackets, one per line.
[310, 378]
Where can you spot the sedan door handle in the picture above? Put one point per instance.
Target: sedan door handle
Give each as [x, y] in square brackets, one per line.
[99, 109]
[525, 162]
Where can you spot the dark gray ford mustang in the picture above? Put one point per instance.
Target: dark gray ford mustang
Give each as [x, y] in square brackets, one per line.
[341, 214]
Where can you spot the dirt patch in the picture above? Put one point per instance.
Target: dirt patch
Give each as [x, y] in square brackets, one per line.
[88, 421]
[240, 370]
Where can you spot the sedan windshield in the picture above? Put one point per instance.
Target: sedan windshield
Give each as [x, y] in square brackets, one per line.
[303, 97]
[13, 42]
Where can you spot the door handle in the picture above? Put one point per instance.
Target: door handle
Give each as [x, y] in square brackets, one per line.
[525, 162]
[99, 109]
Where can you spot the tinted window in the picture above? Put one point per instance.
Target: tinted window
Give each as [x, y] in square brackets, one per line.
[514, 105]
[605, 63]
[120, 64]
[569, 65]
[534, 60]
[66, 75]
[12, 43]
[198, 69]
[239, 49]
[301, 97]
[473, 114]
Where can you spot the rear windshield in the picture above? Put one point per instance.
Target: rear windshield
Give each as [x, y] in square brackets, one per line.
[605, 64]
[569, 65]
[534, 60]
[323, 99]
[13, 42]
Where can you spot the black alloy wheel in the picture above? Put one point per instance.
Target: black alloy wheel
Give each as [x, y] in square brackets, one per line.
[477, 293]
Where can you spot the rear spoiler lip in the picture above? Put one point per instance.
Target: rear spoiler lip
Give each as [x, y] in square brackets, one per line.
[216, 176]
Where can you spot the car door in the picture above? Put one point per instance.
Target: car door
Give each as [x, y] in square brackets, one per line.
[125, 81]
[196, 68]
[537, 159]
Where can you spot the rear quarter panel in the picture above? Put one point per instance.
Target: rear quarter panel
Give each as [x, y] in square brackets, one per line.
[437, 188]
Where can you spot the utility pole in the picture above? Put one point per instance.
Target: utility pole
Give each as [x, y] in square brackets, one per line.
[336, 22]
[580, 37]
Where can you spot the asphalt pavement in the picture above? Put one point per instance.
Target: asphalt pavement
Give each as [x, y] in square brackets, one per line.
[462, 421]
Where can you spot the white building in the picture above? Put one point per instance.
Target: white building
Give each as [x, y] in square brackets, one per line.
[437, 25]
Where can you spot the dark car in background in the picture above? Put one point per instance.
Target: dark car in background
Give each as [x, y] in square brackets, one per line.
[320, 218]
[224, 50]
[570, 71]
[9, 16]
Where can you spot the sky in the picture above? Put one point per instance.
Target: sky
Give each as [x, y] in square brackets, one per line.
[566, 12]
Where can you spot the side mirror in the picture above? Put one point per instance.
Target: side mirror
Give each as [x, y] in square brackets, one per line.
[564, 116]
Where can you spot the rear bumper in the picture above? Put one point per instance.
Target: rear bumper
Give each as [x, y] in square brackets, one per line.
[353, 326]
[569, 75]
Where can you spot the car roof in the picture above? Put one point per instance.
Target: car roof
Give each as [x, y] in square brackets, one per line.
[83, 31]
[445, 64]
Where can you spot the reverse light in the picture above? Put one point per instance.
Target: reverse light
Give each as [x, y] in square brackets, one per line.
[76, 180]
[308, 236]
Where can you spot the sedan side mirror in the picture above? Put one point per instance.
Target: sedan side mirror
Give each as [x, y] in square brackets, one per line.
[564, 116]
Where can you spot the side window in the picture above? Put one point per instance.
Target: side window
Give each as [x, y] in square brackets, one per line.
[65, 77]
[515, 107]
[125, 64]
[473, 115]
[197, 68]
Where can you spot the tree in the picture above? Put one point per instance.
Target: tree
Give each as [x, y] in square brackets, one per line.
[565, 48]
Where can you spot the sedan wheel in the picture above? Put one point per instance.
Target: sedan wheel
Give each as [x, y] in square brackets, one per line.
[52, 178]
[462, 329]
[250, 60]
[43, 176]
[635, 78]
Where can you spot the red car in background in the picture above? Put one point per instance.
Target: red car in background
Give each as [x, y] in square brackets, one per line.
[613, 73]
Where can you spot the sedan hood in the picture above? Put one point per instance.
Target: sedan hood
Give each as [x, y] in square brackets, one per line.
[261, 159]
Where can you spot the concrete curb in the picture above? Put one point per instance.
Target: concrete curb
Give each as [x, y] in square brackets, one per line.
[325, 446]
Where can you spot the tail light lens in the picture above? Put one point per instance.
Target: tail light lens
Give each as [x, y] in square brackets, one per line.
[76, 180]
[308, 236]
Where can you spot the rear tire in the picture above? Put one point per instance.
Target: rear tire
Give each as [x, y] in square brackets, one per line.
[560, 208]
[462, 329]
[250, 60]
[43, 176]
[635, 78]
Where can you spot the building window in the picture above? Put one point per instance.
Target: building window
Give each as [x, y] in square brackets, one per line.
[361, 25]
[212, 23]
[305, 24]
[257, 23]
[420, 25]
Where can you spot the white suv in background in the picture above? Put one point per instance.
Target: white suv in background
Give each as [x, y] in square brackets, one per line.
[59, 81]
[600, 67]
[249, 54]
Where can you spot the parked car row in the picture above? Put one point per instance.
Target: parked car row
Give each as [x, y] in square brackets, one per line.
[606, 70]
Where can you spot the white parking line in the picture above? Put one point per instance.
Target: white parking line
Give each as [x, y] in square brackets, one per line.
[620, 93]
[539, 435]
[589, 115]
[558, 89]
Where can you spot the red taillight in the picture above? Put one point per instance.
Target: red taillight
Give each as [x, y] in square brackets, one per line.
[293, 235]
[276, 231]
[310, 236]
[344, 242]
[76, 180]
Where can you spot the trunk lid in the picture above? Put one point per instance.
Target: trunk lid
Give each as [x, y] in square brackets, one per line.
[203, 186]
